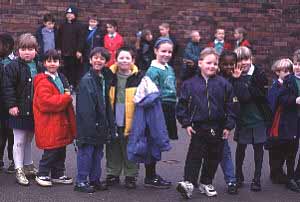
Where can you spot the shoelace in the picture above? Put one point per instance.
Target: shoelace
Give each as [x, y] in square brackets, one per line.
[211, 187]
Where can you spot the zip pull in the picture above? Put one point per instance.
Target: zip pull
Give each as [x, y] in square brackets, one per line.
[212, 132]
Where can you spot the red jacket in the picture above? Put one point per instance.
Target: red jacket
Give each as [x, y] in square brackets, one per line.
[245, 42]
[112, 45]
[54, 115]
[227, 46]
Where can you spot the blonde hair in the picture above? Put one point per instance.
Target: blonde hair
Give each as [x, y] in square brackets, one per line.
[165, 25]
[282, 64]
[27, 40]
[243, 53]
[208, 51]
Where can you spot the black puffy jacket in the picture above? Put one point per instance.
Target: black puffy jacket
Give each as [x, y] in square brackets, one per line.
[18, 86]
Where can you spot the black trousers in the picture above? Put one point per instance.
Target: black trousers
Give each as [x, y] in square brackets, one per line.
[53, 161]
[258, 159]
[72, 69]
[206, 150]
[6, 135]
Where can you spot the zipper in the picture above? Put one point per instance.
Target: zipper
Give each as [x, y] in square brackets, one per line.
[207, 96]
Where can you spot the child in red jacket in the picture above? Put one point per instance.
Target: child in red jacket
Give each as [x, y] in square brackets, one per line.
[112, 41]
[219, 44]
[54, 121]
[240, 35]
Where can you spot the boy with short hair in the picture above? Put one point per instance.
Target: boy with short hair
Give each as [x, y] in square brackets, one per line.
[219, 43]
[53, 101]
[46, 35]
[93, 38]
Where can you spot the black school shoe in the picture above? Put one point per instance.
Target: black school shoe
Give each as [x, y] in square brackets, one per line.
[84, 187]
[11, 168]
[157, 182]
[255, 186]
[99, 186]
[232, 188]
[130, 182]
[112, 180]
[292, 185]
[279, 178]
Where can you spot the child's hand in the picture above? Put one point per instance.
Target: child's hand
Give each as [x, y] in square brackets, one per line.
[237, 71]
[190, 131]
[298, 100]
[14, 111]
[225, 134]
[78, 55]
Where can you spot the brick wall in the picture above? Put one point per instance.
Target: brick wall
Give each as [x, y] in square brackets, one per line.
[273, 25]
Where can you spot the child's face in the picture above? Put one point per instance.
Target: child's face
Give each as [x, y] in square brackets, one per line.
[227, 65]
[124, 61]
[209, 65]
[282, 73]
[296, 68]
[27, 54]
[163, 31]
[70, 16]
[98, 62]
[51, 65]
[164, 53]
[237, 35]
[195, 37]
[246, 64]
[110, 29]
[93, 23]
[49, 24]
[220, 34]
[149, 37]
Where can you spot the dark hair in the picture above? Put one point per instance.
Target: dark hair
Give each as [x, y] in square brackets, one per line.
[112, 23]
[145, 32]
[162, 40]
[102, 51]
[129, 49]
[6, 44]
[51, 54]
[227, 53]
[94, 17]
[48, 18]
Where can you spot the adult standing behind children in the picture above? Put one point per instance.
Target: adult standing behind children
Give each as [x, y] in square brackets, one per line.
[94, 37]
[70, 42]
[6, 133]
[112, 41]
[18, 97]
[191, 56]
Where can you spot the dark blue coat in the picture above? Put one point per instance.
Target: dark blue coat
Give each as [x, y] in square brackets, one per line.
[149, 135]
[210, 104]
[94, 116]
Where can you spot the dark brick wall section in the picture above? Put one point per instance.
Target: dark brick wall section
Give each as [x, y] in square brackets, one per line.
[273, 25]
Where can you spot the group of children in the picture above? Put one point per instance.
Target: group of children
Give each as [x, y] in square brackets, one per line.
[120, 107]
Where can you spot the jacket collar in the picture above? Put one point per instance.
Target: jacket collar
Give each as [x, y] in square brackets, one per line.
[114, 68]
[155, 63]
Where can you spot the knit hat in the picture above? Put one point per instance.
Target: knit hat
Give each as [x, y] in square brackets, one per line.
[72, 9]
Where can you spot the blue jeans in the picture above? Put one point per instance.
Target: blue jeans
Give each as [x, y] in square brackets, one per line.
[227, 165]
[89, 163]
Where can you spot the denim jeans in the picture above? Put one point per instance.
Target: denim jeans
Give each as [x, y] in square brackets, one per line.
[89, 163]
[227, 164]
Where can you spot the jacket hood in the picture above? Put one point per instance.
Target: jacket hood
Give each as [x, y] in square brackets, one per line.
[114, 68]
[39, 77]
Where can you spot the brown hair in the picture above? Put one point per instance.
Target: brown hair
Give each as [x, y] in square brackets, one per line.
[208, 51]
[282, 64]
[27, 40]
[296, 56]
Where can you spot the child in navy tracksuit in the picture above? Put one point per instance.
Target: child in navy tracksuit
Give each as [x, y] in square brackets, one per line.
[206, 109]
[283, 140]
[6, 134]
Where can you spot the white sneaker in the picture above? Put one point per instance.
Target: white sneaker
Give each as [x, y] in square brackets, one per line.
[208, 189]
[185, 189]
[63, 180]
[44, 181]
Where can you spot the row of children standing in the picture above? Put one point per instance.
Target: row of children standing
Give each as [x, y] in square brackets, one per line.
[209, 116]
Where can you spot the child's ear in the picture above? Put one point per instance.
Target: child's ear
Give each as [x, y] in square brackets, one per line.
[199, 63]
[90, 60]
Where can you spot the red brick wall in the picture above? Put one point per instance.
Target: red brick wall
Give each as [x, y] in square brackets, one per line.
[273, 25]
